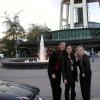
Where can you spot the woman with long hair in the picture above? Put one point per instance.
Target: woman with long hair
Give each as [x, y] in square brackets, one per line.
[69, 72]
[54, 71]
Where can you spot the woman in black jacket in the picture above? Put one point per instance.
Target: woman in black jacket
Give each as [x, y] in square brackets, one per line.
[69, 72]
[85, 72]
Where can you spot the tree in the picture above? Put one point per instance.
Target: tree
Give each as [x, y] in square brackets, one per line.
[35, 31]
[14, 29]
[9, 48]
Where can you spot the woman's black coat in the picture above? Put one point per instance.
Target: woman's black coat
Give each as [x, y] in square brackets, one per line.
[67, 72]
[84, 65]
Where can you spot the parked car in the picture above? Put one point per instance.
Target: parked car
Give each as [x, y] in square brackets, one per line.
[18, 91]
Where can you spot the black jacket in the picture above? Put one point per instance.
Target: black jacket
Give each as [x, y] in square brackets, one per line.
[84, 65]
[68, 72]
[54, 57]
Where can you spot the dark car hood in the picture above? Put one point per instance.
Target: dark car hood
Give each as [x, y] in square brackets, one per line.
[17, 89]
[7, 96]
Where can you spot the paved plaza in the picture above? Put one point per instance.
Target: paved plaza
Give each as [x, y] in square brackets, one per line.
[40, 79]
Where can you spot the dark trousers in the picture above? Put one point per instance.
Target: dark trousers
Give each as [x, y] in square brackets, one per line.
[67, 89]
[55, 85]
[85, 83]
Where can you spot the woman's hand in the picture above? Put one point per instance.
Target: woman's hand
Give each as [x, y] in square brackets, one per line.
[65, 81]
[53, 76]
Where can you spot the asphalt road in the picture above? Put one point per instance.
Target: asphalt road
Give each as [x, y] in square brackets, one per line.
[40, 79]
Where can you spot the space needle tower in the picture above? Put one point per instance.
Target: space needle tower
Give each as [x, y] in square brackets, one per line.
[76, 13]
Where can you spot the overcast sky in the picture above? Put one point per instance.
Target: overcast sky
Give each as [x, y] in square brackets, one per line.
[39, 12]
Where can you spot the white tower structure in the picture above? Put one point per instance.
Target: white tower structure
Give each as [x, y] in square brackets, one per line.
[75, 9]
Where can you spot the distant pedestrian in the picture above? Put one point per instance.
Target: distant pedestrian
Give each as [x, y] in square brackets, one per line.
[85, 73]
[92, 54]
[54, 70]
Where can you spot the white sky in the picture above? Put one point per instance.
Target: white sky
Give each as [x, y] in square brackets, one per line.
[39, 12]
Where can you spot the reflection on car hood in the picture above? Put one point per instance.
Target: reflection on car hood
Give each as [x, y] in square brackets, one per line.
[17, 89]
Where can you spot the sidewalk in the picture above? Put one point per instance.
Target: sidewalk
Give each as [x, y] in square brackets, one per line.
[40, 79]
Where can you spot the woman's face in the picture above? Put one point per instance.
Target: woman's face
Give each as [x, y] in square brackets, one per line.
[69, 49]
[80, 51]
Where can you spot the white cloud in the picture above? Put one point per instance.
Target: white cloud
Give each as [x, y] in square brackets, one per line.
[36, 11]
[94, 12]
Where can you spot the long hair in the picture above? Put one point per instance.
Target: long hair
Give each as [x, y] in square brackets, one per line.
[72, 55]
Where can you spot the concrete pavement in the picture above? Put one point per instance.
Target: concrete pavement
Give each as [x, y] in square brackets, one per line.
[40, 79]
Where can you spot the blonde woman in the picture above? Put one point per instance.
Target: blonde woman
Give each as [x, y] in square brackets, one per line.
[85, 72]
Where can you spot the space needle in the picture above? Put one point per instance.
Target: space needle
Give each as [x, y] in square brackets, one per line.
[75, 9]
